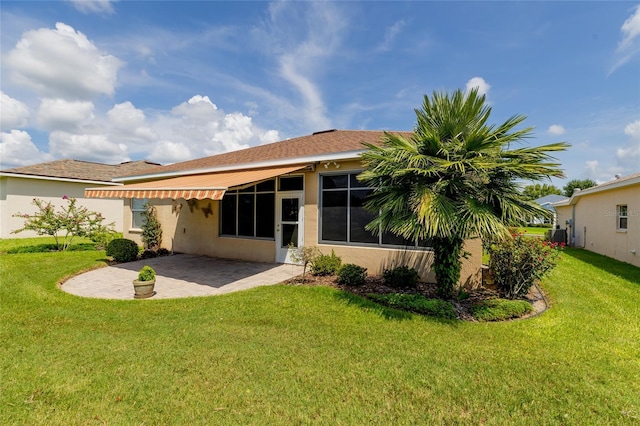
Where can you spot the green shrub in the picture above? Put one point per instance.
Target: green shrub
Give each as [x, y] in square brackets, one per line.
[122, 250]
[519, 261]
[102, 239]
[417, 303]
[402, 276]
[500, 309]
[151, 229]
[148, 254]
[352, 275]
[146, 274]
[325, 264]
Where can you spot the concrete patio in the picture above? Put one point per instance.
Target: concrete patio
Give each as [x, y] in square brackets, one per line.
[180, 275]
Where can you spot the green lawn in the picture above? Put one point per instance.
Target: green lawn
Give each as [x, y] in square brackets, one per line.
[299, 355]
[533, 231]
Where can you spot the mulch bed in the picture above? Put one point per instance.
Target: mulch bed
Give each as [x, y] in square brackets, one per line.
[375, 284]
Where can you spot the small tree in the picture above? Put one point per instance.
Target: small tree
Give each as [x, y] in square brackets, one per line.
[533, 192]
[63, 225]
[577, 184]
[151, 228]
[455, 178]
[303, 256]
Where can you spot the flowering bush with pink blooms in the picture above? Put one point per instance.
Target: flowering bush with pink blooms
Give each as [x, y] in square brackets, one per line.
[519, 261]
[65, 224]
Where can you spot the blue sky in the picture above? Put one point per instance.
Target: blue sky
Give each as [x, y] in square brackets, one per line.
[170, 81]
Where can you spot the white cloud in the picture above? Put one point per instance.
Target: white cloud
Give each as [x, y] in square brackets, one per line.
[93, 6]
[14, 113]
[303, 37]
[628, 46]
[314, 105]
[630, 30]
[90, 147]
[167, 152]
[480, 83]
[390, 35]
[17, 149]
[62, 63]
[556, 129]
[592, 168]
[60, 114]
[269, 136]
[126, 122]
[629, 155]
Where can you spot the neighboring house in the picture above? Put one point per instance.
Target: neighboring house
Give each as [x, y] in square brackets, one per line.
[605, 218]
[546, 202]
[51, 181]
[256, 204]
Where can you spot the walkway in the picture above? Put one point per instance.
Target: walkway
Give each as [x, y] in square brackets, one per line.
[180, 275]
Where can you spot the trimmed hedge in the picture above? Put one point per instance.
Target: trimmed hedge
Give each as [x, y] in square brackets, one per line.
[352, 275]
[399, 277]
[122, 250]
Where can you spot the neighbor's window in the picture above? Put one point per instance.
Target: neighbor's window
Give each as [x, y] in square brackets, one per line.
[137, 212]
[343, 216]
[622, 216]
[249, 212]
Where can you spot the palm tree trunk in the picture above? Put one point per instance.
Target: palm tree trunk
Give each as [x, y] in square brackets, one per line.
[447, 264]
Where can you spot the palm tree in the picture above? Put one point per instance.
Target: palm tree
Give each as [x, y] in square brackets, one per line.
[455, 178]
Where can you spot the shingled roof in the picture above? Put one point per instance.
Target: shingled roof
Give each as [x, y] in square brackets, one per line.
[83, 170]
[319, 143]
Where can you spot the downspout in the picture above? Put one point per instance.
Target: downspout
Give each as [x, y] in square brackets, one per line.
[573, 225]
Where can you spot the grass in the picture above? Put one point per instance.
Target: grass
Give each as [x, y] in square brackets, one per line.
[300, 355]
[500, 309]
[533, 231]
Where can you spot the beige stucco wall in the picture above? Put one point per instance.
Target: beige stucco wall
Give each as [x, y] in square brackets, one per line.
[193, 227]
[597, 215]
[17, 194]
[187, 229]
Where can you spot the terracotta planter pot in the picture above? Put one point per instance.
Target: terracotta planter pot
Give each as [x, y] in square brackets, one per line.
[143, 289]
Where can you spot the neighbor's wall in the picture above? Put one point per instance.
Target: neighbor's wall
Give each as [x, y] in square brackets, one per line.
[596, 223]
[17, 194]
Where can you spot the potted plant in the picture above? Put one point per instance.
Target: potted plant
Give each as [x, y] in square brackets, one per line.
[145, 283]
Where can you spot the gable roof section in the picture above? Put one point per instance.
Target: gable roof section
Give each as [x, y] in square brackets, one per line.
[81, 170]
[330, 144]
[621, 182]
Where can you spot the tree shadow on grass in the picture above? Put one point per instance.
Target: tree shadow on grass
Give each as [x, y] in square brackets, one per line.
[46, 248]
[615, 267]
[385, 311]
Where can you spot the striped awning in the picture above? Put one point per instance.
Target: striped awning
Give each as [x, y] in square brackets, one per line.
[209, 185]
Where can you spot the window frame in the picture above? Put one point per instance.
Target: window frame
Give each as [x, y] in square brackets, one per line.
[137, 210]
[620, 217]
[348, 189]
[243, 191]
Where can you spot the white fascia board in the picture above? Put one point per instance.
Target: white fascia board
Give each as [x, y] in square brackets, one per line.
[346, 155]
[58, 179]
[596, 189]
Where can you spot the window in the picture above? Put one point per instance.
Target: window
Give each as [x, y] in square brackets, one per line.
[291, 183]
[137, 212]
[343, 216]
[622, 216]
[249, 212]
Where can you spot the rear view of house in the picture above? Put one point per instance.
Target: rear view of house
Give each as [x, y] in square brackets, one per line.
[260, 203]
[605, 218]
